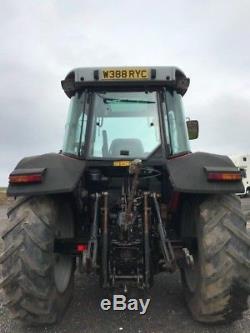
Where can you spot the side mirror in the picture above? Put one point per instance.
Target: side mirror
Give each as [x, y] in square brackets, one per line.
[193, 129]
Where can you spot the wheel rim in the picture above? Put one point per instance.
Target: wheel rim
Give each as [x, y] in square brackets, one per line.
[63, 266]
[62, 271]
[191, 275]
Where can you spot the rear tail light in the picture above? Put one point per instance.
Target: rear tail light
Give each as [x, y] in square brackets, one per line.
[26, 176]
[20, 179]
[223, 176]
[229, 174]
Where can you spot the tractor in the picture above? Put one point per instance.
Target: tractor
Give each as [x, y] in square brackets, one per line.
[125, 199]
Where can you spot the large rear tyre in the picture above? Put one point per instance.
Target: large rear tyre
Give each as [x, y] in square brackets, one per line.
[217, 287]
[37, 283]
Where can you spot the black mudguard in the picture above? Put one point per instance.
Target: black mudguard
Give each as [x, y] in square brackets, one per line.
[188, 174]
[62, 174]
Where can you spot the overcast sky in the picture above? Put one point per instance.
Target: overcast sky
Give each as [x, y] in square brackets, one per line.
[43, 40]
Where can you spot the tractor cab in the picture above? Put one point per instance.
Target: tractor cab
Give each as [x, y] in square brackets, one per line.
[125, 113]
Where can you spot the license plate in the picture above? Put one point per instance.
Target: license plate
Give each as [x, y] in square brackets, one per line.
[125, 74]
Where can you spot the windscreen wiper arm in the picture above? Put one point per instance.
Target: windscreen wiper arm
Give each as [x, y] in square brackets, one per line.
[110, 100]
[117, 100]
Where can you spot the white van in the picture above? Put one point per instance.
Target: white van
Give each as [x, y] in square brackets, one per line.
[243, 163]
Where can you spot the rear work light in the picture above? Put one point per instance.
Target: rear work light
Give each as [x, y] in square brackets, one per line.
[223, 174]
[26, 176]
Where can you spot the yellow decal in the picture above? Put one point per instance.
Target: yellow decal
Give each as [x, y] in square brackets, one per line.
[121, 163]
[125, 74]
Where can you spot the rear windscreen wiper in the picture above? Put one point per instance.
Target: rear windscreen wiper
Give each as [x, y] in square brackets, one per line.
[117, 100]
[110, 100]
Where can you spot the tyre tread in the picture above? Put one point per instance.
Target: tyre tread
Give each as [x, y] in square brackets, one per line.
[225, 262]
[26, 282]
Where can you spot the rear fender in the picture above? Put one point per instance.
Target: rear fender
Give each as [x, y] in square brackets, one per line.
[61, 175]
[187, 174]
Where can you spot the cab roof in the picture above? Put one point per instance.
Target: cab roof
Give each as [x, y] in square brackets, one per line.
[138, 76]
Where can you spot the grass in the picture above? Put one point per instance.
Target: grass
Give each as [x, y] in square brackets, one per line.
[3, 197]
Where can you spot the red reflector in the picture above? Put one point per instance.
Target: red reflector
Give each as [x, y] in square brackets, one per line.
[81, 247]
[20, 179]
[224, 176]
[174, 201]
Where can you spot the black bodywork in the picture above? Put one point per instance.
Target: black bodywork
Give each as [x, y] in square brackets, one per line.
[186, 173]
[61, 175]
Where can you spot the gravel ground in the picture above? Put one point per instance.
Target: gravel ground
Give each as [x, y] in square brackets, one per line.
[166, 313]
